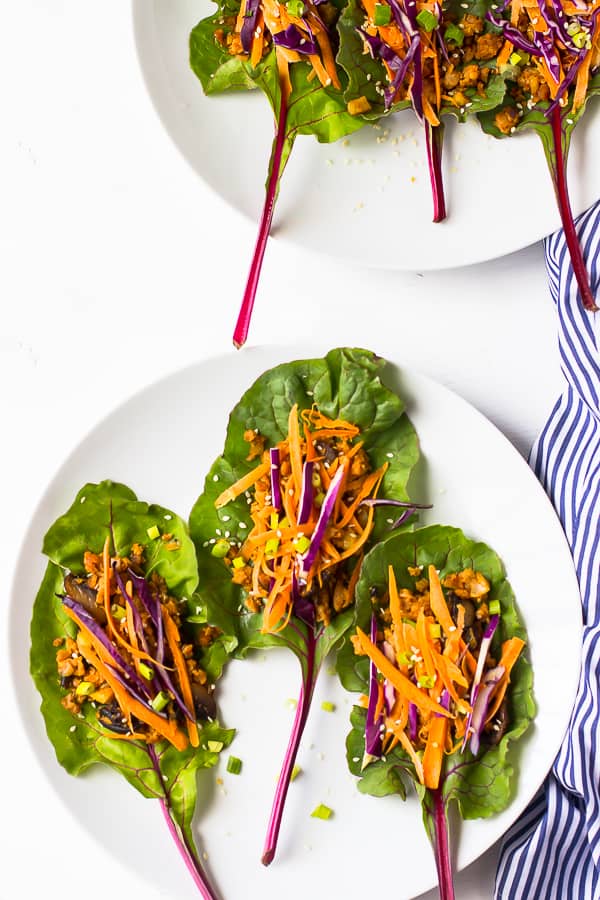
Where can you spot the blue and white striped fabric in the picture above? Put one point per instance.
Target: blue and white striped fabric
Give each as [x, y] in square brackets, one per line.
[553, 851]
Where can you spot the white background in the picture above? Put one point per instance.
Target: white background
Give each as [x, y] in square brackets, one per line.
[117, 266]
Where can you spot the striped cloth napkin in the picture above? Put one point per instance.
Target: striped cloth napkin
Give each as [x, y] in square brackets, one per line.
[553, 851]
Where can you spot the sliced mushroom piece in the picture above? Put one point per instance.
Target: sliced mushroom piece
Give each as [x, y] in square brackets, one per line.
[496, 729]
[204, 702]
[111, 717]
[87, 596]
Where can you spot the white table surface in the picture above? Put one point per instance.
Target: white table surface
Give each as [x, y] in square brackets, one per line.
[118, 266]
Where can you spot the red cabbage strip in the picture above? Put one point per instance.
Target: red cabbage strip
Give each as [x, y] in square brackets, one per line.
[413, 722]
[249, 24]
[323, 520]
[293, 39]
[137, 619]
[124, 681]
[154, 610]
[302, 607]
[558, 172]
[487, 687]
[373, 742]
[306, 496]
[274, 457]
[310, 674]
[483, 652]
[441, 846]
[434, 139]
[92, 626]
[242, 326]
[389, 691]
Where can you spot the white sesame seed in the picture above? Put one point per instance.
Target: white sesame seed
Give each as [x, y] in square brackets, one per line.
[225, 518]
[73, 728]
[242, 525]
[215, 477]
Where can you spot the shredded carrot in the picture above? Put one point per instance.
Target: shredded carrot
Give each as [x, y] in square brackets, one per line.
[402, 684]
[258, 41]
[424, 643]
[505, 54]
[295, 449]
[172, 635]
[95, 654]
[242, 485]
[511, 650]
[433, 756]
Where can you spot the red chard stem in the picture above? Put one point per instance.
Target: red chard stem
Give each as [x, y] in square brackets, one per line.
[434, 139]
[240, 333]
[441, 846]
[188, 856]
[559, 176]
[309, 679]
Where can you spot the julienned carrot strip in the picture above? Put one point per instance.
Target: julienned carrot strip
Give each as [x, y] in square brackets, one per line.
[131, 627]
[240, 16]
[320, 70]
[511, 650]
[242, 484]
[275, 611]
[357, 545]
[424, 643]
[416, 759]
[173, 640]
[455, 645]
[321, 426]
[328, 57]
[396, 613]
[380, 701]
[441, 665]
[581, 84]
[364, 492]
[402, 684]
[129, 705]
[295, 447]
[433, 756]
[505, 54]
[258, 41]
[438, 604]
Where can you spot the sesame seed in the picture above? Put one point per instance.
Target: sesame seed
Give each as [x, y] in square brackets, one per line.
[390, 455]
[215, 477]
[73, 728]
[218, 531]
[242, 525]
[225, 518]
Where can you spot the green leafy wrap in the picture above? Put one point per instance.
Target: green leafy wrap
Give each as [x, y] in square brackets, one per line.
[158, 771]
[480, 786]
[345, 384]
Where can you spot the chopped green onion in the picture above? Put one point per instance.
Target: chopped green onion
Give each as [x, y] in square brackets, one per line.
[321, 812]
[302, 544]
[291, 703]
[238, 562]
[318, 501]
[84, 689]
[153, 532]
[295, 8]
[435, 630]
[382, 14]
[404, 659]
[295, 772]
[426, 681]
[215, 746]
[455, 34]
[426, 20]
[234, 765]
[220, 548]
[160, 701]
[146, 671]
[118, 612]
[272, 546]
[328, 706]
[274, 521]
[494, 608]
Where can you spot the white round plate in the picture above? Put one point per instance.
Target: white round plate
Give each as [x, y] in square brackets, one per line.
[366, 199]
[161, 443]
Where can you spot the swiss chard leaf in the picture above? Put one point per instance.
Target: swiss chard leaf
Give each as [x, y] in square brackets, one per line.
[309, 108]
[345, 384]
[156, 771]
[480, 786]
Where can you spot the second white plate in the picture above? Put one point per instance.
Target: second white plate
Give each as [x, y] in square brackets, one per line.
[367, 199]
